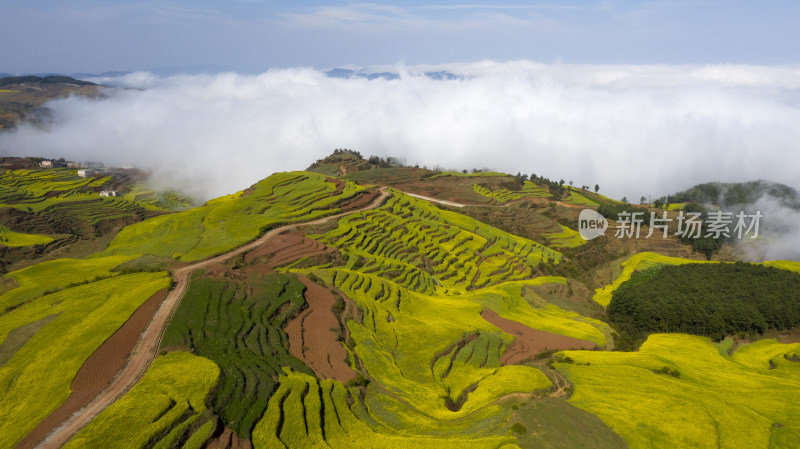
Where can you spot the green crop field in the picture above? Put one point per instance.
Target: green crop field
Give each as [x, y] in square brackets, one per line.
[679, 391]
[165, 409]
[52, 276]
[240, 327]
[230, 221]
[11, 238]
[78, 317]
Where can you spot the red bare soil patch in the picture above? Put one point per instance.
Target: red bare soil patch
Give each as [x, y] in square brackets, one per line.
[228, 440]
[529, 342]
[311, 338]
[98, 370]
[285, 248]
[361, 201]
[339, 184]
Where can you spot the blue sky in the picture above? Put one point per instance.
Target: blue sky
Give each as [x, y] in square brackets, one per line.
[254, 35]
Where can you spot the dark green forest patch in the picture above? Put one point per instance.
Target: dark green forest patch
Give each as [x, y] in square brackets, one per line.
[707, 299]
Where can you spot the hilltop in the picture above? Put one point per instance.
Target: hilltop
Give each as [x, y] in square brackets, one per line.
[729, 194]
[23, 97]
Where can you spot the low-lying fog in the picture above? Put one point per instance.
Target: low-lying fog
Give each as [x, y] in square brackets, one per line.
[634, 130]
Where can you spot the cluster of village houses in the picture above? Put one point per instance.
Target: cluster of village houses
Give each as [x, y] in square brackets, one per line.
[85, 170]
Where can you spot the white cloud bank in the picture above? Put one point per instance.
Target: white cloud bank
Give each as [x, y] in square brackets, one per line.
[635, 130]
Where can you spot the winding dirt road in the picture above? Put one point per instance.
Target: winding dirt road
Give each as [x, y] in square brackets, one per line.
[147, 348]
[434, 200]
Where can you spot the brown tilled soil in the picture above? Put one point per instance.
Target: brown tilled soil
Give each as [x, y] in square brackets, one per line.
[285, 248]
[529, 342]
[311, 338]
[361, 201]
[339, 184]
[228, 440]
[98, 370]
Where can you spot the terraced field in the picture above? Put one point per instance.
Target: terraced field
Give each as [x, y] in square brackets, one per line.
[55, 208]
[679, 391]
[239, 326]
[36, 190]
[227, 222]
[567, 238]
[503, 195]
[499, 195]
[425, 249]
[59, 314]
[306, 412]
[157, 412]
[56, 193]
[531, 190]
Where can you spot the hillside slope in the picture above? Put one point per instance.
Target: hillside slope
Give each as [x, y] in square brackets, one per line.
[320, 311]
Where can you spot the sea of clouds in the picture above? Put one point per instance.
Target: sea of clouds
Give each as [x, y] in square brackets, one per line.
[634, 129]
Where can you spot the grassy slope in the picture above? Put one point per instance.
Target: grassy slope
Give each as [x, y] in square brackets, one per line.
[580, 200]
[12, 239]
[55, 275]
[85, 316]
[305, 412]
[170, 396]
[716, 401]
[507, 300]
[230, 221]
